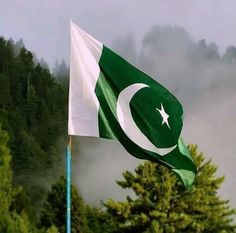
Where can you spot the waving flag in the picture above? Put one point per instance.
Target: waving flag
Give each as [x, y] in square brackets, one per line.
[110, 98]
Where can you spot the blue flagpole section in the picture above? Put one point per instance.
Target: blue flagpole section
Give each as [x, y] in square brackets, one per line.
[68, 190]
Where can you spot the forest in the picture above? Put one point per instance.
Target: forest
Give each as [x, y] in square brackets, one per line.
[33, 134]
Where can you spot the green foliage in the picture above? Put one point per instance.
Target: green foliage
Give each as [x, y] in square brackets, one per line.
[12, 219]
[54, 210]
[52, 229]
[61, 72]
[163, 205]
[33, 109]
[99, 221]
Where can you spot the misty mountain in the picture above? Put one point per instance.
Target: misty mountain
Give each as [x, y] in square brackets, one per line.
[203, 79]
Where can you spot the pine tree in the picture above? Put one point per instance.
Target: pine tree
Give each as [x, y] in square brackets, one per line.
[54, 210]
[99, 221]
[52, 229]
[162, 204]
[33, 110]
[11, 219]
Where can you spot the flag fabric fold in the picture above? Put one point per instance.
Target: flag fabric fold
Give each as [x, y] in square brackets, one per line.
[110, 98]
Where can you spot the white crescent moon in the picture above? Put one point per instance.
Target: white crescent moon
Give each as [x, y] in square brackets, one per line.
[128, 124]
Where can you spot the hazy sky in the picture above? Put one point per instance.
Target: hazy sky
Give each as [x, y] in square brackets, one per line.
[44, 27]
[44, 24]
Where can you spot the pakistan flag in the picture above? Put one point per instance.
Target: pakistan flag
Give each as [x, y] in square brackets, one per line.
[110, 98]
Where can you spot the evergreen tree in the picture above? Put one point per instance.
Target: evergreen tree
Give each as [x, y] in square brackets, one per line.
[99, 221]
[61, 72]
[230, 55]
[54, 210]
[52, 229]
[12, 219]
[162, 204]
[33, 110]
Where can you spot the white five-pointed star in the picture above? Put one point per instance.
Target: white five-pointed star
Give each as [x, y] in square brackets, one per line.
[164, 115]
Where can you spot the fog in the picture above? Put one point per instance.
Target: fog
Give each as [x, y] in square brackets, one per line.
[202, 77]
[205, 83]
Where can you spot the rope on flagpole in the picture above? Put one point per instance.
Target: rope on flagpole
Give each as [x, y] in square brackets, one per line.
[68, 185]
[70, 141]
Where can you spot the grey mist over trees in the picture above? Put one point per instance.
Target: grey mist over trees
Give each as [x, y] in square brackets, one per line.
[202, 78]
[33, 117]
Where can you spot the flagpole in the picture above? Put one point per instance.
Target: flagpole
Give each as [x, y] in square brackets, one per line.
[68, 186]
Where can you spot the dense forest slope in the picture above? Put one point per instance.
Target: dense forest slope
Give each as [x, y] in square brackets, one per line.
[33, 110]
[33, 123]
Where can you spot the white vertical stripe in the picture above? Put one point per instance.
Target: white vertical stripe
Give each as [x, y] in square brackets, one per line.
[84, 72]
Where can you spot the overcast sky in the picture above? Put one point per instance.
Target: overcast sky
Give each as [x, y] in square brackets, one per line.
[44, 27]
[44, 24]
